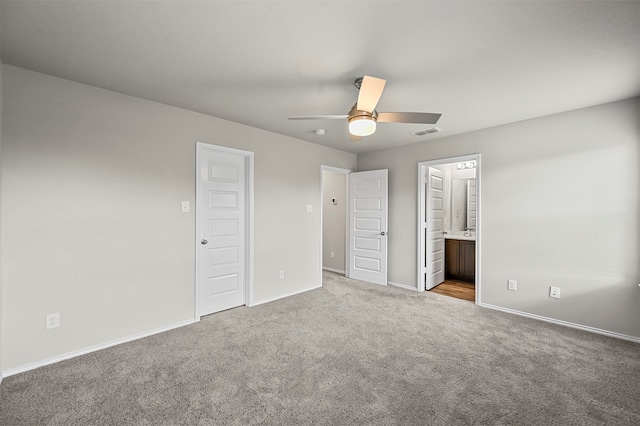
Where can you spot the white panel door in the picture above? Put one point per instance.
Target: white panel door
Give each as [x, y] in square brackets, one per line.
[434, 228]
[222, 225]
[368, 226]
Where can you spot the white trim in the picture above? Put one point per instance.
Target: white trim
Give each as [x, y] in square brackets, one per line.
[346, 248]
[422, 169]
[249, 240]
[336, 169]
[273, 299]
[337, 271]
[94, 348]
[250, 229]
[564, 323]
[405, 286]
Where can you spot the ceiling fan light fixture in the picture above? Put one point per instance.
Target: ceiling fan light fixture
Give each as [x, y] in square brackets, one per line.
[362, 126]
[363, 115]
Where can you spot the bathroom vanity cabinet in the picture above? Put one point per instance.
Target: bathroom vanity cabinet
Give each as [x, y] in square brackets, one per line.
[460, 260]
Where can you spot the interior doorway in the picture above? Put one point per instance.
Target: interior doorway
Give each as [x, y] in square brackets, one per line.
[333, 224]
[449, 228]
[353, 224]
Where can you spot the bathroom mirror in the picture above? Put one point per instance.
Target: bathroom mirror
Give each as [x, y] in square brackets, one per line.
[463, 204]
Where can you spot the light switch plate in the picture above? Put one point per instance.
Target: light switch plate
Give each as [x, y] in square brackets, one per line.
[185, 207]
[309, 208]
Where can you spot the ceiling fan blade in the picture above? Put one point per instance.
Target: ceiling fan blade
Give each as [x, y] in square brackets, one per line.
[408, 117]
[370, 92]
[319, 117]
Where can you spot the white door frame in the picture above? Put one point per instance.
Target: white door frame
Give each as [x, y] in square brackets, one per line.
[422, 171]
[201, 146]
[346, 206]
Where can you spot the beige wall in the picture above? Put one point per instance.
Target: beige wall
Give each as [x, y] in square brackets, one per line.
[1, 310]
[92, 186]
[334, 219]
[560, 206]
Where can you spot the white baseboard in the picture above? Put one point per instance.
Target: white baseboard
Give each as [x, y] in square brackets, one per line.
[273, 299]
[405, 286]
[90, 349]
[564, 323]
[337, 271]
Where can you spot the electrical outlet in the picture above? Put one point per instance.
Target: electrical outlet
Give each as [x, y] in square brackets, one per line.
[333, 254]
[554, 292]
[282, 274]
[309, 208]
[512, 285]
[52, 321]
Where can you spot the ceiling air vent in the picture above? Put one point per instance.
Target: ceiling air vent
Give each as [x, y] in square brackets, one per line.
[426, 131]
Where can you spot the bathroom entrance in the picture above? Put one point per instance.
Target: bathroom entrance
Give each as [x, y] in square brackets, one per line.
[448, 224]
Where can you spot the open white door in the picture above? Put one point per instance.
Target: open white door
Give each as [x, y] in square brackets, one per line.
[368, 226]
[223, 218]
[434, 228]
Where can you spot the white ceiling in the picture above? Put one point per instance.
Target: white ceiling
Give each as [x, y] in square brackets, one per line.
[479, 63]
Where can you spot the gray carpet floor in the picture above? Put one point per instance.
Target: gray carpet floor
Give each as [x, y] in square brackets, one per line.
[349, 353]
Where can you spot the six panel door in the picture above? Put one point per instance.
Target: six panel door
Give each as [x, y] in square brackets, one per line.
[222, 248]
[368, 226]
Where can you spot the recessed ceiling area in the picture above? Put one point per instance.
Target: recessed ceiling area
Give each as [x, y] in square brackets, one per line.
[480, 64]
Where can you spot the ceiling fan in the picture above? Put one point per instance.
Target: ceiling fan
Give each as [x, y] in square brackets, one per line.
[363, 115]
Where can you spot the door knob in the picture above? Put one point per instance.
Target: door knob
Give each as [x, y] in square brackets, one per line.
[384, 233]
[204, 242]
